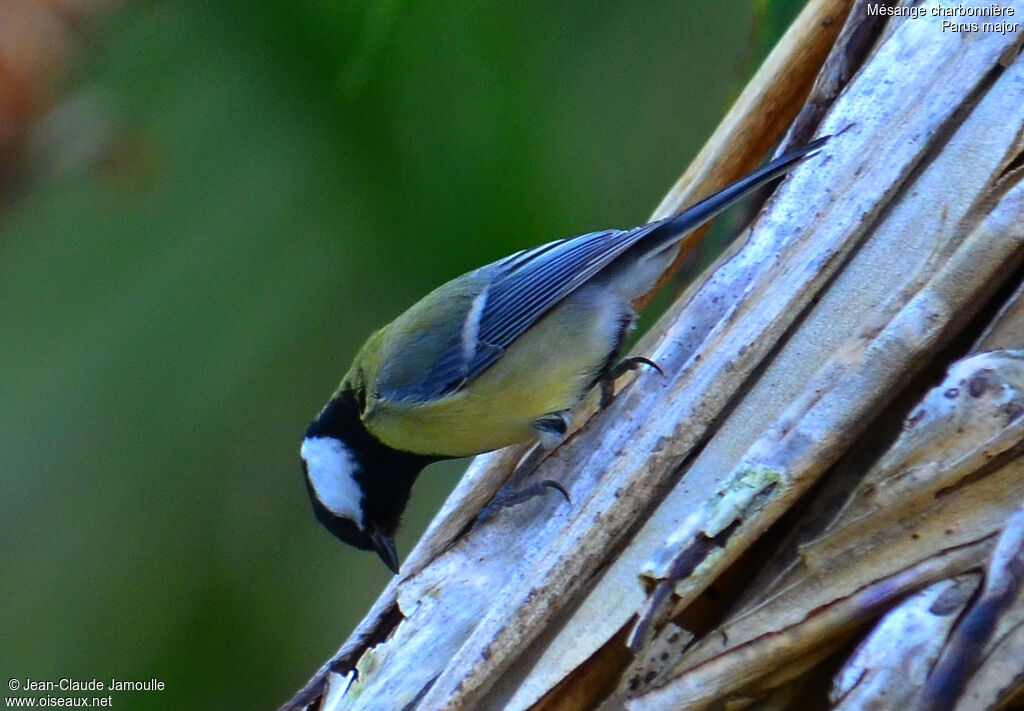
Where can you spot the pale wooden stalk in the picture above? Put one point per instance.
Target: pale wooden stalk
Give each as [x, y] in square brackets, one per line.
[804, 456]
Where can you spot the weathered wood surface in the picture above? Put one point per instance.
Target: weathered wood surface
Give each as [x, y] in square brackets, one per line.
[834, 447]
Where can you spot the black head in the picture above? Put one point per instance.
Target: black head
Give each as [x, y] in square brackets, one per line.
[359, 486]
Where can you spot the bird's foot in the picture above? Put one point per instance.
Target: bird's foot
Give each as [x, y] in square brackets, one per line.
[612, 374]
[511, 497]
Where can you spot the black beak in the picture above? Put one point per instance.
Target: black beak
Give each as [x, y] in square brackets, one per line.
[385, 548]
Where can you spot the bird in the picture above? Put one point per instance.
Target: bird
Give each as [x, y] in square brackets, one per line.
[498, 356]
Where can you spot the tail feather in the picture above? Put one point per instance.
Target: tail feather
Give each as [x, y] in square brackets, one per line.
[693, 217]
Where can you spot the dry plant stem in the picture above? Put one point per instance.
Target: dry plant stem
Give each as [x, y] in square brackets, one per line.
[963, 652]
[867, 378]
[735, 147]
[719, 675]
[821, 424]
[999, 682]
[890, 665]
[470, 609]
[977, 156]
[933, 492]
[937, 213]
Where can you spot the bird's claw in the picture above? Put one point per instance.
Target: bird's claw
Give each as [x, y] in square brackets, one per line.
[506, 497]
[612, 374]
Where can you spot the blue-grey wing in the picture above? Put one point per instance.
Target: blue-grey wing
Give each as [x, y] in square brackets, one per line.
[498, 303]
[528, 284]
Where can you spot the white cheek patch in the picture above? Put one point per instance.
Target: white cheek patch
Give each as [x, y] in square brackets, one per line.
[331, 468]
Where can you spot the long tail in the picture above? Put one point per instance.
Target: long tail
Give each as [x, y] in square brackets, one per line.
[693, 217]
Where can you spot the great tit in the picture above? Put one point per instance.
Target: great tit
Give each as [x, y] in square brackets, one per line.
[494, 357]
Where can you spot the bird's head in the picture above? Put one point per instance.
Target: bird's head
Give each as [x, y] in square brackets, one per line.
[358, 486]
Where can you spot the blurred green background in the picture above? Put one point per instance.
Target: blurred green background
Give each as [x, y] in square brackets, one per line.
[225, 200]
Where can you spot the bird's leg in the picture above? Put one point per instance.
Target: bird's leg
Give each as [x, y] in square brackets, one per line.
[510, 497]
[607, 379]
[551, 429]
